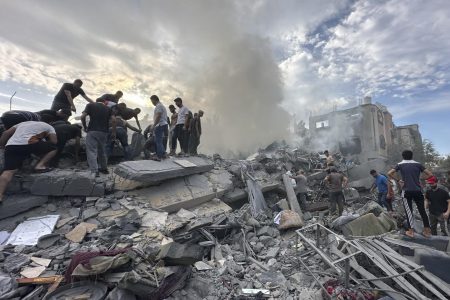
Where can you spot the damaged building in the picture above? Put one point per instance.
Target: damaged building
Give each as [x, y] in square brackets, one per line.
[365, 132]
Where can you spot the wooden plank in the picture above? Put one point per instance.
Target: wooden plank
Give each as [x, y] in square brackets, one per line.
[366, 274]
[290, 194]
[389, 270]
[396, 258]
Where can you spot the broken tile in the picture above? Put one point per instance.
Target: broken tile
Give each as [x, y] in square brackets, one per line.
[79, 232]
[32, 272]
[41, 261]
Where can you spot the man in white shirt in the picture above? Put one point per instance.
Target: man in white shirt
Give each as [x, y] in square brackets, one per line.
[160, 125]
[21, 141]
[181, 129]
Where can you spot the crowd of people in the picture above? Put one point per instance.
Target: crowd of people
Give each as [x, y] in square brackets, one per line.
[106, 123]
[432, 196]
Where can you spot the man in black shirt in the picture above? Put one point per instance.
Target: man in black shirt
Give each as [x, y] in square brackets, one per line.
[97, 135]
[66, 132]
[129, 113]
[437, 200]
[68, 92]
[110, 97]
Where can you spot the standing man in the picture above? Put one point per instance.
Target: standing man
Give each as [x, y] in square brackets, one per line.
[21, 141]
[381, 183]
[437, 201]
[329, 158]
[412, 190]
[160, 126]
[336, 182]
[68, 92]
[195, 132]
[181, 127]
[173, 123]
[97, 135]
[301, 188]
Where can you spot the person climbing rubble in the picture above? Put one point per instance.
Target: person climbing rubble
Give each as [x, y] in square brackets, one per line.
[68, 92]
[437, 201]
[110, 99]
[382, 185]
[336, 183]
[301, 188]
[129, 113]
[14, 117]
[22, 140]
[410, 171]
[121, 136]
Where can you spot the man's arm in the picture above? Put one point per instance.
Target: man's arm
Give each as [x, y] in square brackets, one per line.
[131, 127]
[83, 120]
[138, 124]
[6, 136]
[344, 181]
[392, 174]
[69, 97]
[52, 138]
[372, 188]
[157, 118]
[114, 126]
[447, 213]
[87, 98]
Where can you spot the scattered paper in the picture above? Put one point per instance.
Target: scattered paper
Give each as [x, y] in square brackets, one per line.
[29, 231]
[32, 272]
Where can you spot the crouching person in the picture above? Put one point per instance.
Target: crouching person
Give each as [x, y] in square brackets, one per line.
[121, 135]
[21, 141]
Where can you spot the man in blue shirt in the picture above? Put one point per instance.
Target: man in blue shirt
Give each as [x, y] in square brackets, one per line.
[381, 183]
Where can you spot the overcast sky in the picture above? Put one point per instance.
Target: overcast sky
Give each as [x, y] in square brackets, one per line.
[250, 64]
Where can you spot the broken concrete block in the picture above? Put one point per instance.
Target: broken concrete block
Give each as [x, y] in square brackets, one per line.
[77, 234]
[187, 192]
[32, 272]
[134, 174]
[89, 213]
[63, 183]
[369, 225]
[272, 252]
[14, 262]
[370, 207]
[16, 204]
[186, 214]
[211, 208]
[174, 254]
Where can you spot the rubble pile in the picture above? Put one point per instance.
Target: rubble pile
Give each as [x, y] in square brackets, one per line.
[208, 228]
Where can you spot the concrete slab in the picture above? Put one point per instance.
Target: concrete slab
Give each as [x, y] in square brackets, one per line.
[362, 171]
[369, 225]
[187, 192]
[16, 204]
[62, 183]
[211, 208]
[240, 194]
[143, 173]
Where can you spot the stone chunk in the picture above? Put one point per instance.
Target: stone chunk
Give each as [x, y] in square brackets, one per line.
[79, 232]
[272, 252]
[187, 192]
[180, 254]
[133, 174]
[14, 262]
[64, 183]
[89, 213]
[369, 225]
[16, 204]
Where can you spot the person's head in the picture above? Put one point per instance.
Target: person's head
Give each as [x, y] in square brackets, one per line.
[407, 155]
[178, 102]
[121, 106]
[373, 173]
[200, 113]
[333, 170]
[77, 82]
[326, 152]
[154, 99]
[172, 108]
[432, 182]
[195, 115]
[137, 111]
[118, 95]
[301, 172]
